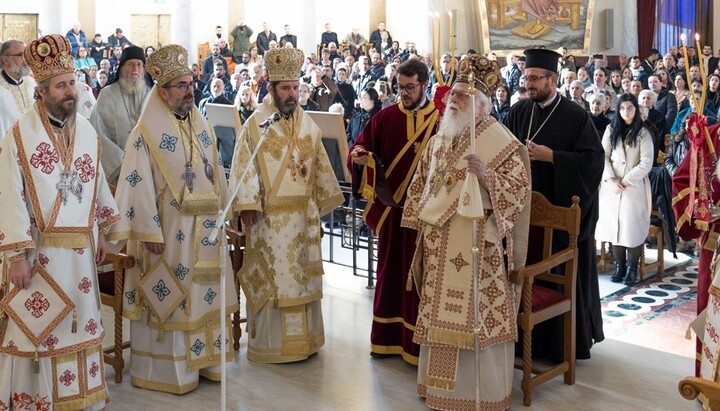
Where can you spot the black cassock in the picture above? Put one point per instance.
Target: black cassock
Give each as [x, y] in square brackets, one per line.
[577, 170]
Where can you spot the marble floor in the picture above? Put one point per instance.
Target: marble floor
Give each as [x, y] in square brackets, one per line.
[633, 369]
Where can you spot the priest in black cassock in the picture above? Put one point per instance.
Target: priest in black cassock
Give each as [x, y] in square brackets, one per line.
[567, 159]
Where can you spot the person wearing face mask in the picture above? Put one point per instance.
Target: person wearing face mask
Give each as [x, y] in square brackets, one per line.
[625, 197]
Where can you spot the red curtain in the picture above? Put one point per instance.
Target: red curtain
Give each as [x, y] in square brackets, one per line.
[646, 26]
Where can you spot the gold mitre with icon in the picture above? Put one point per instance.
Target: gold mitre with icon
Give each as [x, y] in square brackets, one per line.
[284, 64]
[168, 62]
[49, 56]
[484, 72]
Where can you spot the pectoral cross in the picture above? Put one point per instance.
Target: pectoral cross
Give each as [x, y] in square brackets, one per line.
[189, 176]
[63, 186]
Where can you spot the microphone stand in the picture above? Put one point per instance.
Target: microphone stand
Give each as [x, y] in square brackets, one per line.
[220, 225]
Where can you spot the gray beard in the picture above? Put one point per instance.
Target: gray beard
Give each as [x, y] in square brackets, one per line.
[20, 71]
[132, 87]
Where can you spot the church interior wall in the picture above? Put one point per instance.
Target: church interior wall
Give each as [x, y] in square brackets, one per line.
[406, 19]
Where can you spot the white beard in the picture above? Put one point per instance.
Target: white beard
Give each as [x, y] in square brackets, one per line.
[454, 123]
[132, 86]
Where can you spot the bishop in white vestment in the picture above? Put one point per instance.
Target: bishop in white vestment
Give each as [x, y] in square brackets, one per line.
[451, 333]
[291, 186]
[170, 190]
[57, 205]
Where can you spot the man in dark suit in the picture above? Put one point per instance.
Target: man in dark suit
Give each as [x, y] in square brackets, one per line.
[264, 38]
[328, 36]
[288, 38]
[376, 38]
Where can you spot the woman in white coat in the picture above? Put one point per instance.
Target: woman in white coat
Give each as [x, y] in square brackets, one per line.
[625, 200]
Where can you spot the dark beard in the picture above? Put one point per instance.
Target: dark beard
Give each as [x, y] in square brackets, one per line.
[57, 108]
[287, 107]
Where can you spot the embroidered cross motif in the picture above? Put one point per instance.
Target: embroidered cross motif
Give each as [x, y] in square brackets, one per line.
[67, 378]
[209, 224]
[130, 214]
[91, 327]
[156, 219]
[130, 296]
[183, 304]
[180, 237]
[85, 285]
[44, 158]
[161, 290]
[459, 262]
[217, 342]
[206, 242]
[133, 178]
[197, 347]
[94, 368]
[204, 139]
[85, 168]
[181, 271]
[175, 204]
[210, 296]
[37, 305]
[43, 259]
[50, 342]
[106, 212]
[168, 143]
[138, 144]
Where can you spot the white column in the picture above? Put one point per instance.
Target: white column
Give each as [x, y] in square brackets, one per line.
[50, 19]
[182, 27]
[630, 43]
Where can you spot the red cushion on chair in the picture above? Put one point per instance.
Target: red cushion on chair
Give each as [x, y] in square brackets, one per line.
[106, 282]
[544, 297]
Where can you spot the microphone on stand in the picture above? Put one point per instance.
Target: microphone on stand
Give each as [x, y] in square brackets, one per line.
[270, 120]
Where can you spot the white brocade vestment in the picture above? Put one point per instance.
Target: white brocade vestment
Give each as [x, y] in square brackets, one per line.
[57, 319]
[443, 267]
[293, 184]
[173, 298]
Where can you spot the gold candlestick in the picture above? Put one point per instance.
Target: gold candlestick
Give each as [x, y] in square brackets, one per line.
[436, 57]
[452, 46]
[702, 73]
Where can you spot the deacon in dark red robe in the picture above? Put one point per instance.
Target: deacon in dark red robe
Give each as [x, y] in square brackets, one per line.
[385, 157]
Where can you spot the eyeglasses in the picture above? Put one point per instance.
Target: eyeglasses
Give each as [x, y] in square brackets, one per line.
[460, 95]
[15, 54]
[533, 79]
[408, 88]
[182, 86]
